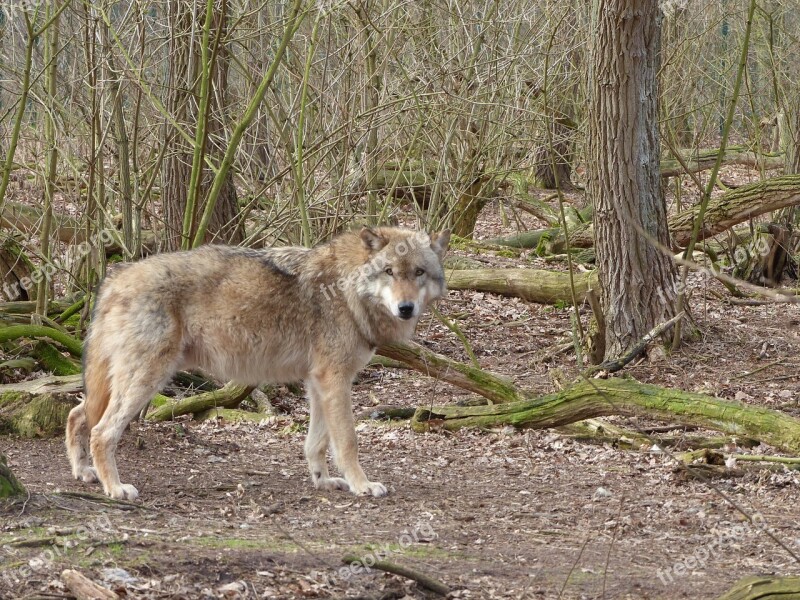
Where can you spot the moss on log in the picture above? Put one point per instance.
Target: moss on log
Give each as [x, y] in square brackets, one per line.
[34, 416]
[533, 285]
[52, 360]
[14, 332]
[9, 485]
[597, 398]
[494, 388]
[229, 396]
[764, 588]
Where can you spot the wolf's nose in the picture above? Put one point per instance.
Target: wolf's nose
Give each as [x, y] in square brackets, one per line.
[406, 310]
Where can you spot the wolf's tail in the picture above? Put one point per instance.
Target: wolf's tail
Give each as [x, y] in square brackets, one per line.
[87, 414]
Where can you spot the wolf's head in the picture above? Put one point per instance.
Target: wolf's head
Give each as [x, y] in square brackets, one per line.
[404, 272]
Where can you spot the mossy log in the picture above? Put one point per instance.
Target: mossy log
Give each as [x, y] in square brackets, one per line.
[53, 384]
[533, 285]
[723, 212]
[14, 332]
[492, 387]
[597, 398]
[9, 485]
[229, 396]
[53, 361]
[27, 307]
[764, 588]
[737, 206]
[34, 415]
[703, 160]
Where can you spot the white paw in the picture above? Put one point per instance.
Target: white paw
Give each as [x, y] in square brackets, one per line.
[370, 488]
[88, 475]
[124, 491]
[330, 484]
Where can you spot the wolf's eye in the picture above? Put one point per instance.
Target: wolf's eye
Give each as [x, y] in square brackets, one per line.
[420, 272]
[388, 271]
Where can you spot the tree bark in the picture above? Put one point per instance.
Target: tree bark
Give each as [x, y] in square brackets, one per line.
[182, 102]
[637, 280]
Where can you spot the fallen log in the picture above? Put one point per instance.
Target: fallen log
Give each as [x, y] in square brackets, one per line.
[14, 332]
[533, 285]
[27, 307]
[703, 160]
[492, 387]
[229, 396]
[737, 206]
[54, 384]
[597, 398]
[724, 212]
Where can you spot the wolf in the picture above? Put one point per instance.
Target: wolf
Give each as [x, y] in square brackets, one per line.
[277, 315]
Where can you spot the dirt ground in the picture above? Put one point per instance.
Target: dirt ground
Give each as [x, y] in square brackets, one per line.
[227, 510]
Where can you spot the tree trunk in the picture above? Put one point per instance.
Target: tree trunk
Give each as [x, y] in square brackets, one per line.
[637, 280]
[182, 102]
[9, 485]
[553, 167]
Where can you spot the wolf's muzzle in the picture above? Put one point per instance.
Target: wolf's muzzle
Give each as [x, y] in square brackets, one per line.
[406, 310]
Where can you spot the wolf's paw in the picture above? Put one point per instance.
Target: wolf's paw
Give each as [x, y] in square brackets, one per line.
[329, 484]
[87, 475]
[370, 488]
[124, 491]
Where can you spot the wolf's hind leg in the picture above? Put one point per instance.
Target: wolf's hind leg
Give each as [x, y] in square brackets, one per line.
[130, 394]
[78, 445]
[317, 447]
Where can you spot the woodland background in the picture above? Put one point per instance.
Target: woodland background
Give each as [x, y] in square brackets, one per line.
[622, 181]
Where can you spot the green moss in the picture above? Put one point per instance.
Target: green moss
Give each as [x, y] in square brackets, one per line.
[52, 360]
[506, 253]
[42, 416]
[243, 543]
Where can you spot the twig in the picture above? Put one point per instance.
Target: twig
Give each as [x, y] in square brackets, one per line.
[429, 583]
[759, 369]
[617, 364]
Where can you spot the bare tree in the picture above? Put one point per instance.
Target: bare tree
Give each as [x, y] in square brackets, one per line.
[637, 278]
[192, 108]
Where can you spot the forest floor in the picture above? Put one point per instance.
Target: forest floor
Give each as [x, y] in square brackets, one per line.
[228, 511]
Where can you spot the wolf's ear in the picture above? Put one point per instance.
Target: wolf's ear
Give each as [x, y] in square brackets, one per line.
[439, 242]
[372, 239]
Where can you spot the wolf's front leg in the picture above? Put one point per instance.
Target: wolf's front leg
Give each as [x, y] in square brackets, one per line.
[317, 447]
[333, 392]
